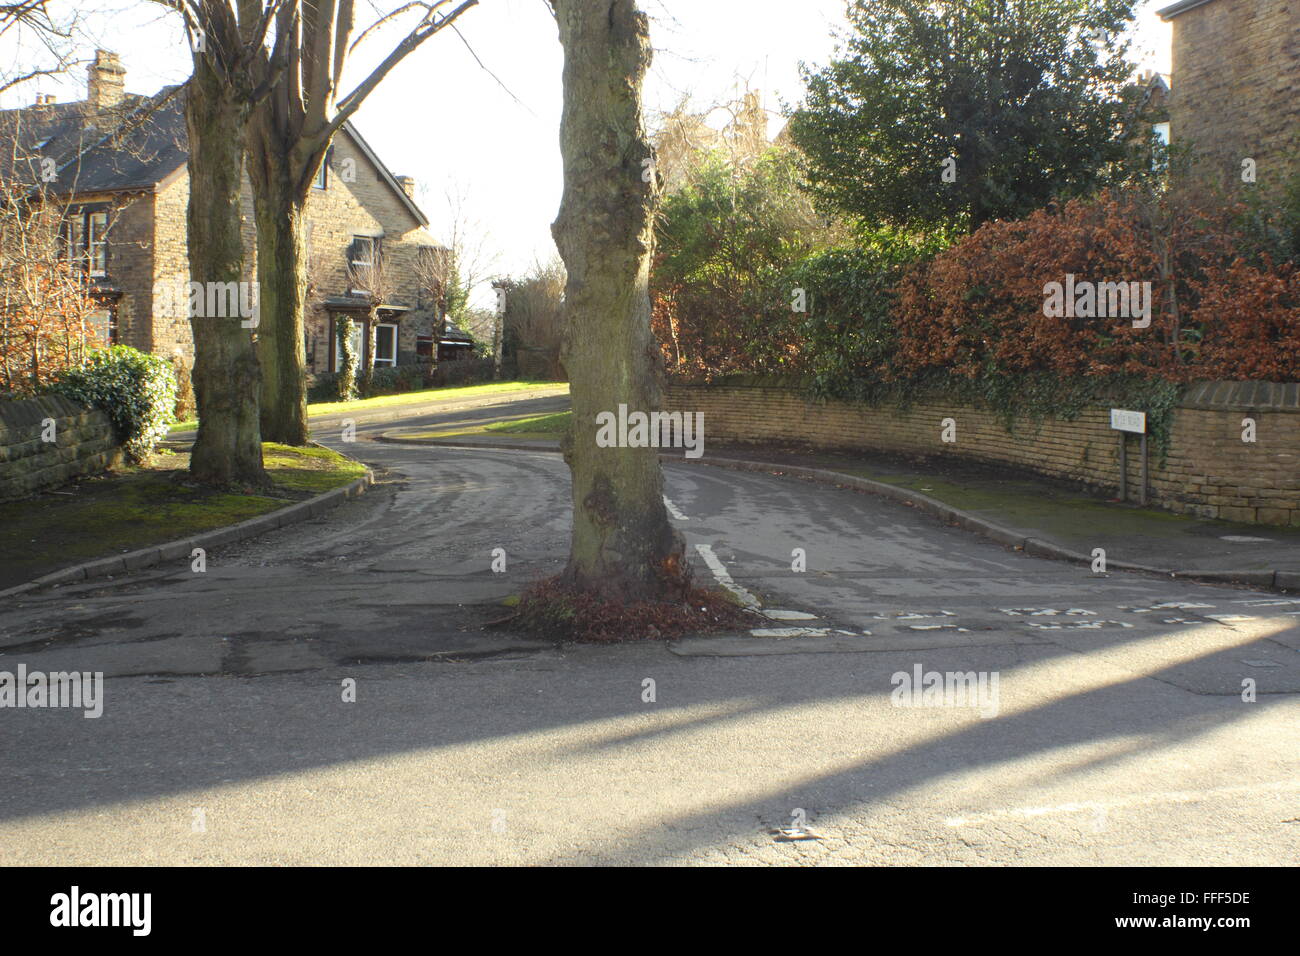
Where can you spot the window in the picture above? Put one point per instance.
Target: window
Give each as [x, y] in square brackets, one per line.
[103, 324]
[365, 251]
[358, 344]
[321, 181]
[97, 243]
[86, 239]
[1160, 161]
[385, 345]
[363, 263]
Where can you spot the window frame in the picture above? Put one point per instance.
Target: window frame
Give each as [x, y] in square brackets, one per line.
[86, 246]
[361, 330]
[386, 363]
[98, 241]
[374, 243]
[321, 180]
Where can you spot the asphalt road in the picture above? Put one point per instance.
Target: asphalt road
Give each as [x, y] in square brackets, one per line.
[1118, 733]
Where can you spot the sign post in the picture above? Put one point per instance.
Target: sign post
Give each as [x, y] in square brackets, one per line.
[1125, 422]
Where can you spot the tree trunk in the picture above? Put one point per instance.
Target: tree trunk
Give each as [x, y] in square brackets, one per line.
[369, 339]
[623, 547]
[282, 273]
[228, 449]
[498, 345]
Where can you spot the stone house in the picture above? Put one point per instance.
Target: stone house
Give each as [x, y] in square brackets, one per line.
[117, 163]
[1236, 85]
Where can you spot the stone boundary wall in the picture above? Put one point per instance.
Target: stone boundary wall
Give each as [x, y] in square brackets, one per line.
[1209, 470]
[84, 444]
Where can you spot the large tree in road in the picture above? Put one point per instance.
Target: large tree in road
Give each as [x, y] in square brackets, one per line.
[228, 42]
[623, 547]
[288, 136]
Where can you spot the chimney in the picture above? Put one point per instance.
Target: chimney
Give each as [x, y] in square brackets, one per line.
[408, 185]
[106, 83]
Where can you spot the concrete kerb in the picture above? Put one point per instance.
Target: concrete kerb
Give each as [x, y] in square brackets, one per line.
[181, 548]
[1007, 537]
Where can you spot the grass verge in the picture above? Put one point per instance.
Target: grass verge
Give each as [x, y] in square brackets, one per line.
[150, 503]
[445, 393]
[528, 428]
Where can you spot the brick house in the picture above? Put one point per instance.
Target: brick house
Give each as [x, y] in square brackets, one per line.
[1236, 84]
[119, 168]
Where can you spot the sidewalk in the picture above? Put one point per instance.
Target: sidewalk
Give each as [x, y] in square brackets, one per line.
[1024, 506]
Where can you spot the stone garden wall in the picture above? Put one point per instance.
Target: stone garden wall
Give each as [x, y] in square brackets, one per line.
[1208, 471]
[83, 444]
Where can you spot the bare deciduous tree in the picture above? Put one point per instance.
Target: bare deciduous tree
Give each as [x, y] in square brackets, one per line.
[45, 302]
[233, 71]
[288, 138]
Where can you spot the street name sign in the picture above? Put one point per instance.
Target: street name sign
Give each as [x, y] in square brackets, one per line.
[1122, 420]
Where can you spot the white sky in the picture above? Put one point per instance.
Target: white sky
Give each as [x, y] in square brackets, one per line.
[443, 119]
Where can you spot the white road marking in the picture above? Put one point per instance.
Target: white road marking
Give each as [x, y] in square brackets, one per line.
[748, 600]
[674, 510]
[1046, 612]
[1077, 625]
[911, 615]
[778, 614]
[720, 572]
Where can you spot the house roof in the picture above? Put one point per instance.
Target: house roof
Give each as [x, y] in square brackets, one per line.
[385, 173]
[1182, 6]
[139, 145]
[454, 336]
[135, 146]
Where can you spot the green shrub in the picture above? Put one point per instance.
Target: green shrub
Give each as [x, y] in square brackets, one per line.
[136, 390]
[392, 381]
[848, 332]
[323, 387]
[346, 377]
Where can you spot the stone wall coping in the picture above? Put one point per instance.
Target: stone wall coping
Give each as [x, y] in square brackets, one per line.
[31, 411]
[1203, 396]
